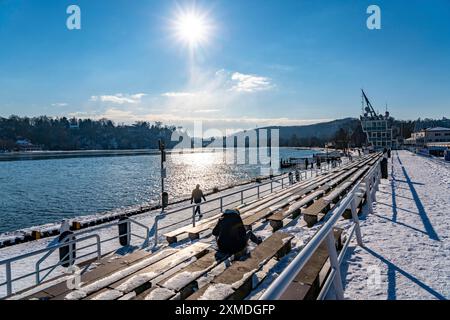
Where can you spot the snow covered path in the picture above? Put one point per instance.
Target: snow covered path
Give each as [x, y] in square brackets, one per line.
[407, 244]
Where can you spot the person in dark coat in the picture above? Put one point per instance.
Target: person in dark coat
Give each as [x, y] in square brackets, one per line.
[197, 195]
[231, 234]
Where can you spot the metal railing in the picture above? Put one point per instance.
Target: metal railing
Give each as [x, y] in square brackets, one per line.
[71, 255]
[325, 233]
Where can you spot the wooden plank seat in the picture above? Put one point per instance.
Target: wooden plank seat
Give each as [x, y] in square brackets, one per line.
[262, 210]
[97, 269]
[280, 207]
[309, 281]
[318, 209]
[206, 224]
[341, 178]
[276, 219]
[315, 212]
[184, 282]
[135, 275]
[237, 281]
[282, 211]
[360, 200]
[294, 210]
[335, 195]
[173, 236]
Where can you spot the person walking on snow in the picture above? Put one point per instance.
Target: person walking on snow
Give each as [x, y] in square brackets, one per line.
[197, 195]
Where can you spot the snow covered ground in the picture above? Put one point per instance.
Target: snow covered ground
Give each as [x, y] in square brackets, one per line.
[407, 244]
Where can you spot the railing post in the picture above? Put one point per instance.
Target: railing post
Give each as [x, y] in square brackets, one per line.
[71, 260]
[282, 183]
[8, 279]
[331, 245]
[356, 221]
[221, 204]
[271, 186]
[193, 216]
[242, 197]
[257, 188]
[369, 195]
[99, 247]
[155, 226]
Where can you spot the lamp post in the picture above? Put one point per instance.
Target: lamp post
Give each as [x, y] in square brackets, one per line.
[164, 195]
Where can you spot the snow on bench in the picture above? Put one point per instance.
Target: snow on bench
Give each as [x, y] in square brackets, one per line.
[194, 232]
[137, 278]
[101, 268]
[184, 282]
[309, 281]
[276, 220]
[319, 208]
[208, 223]
[172, 237]
[238, 280]
[249, 221]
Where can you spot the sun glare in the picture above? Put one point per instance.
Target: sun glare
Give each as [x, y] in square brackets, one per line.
[192, 28]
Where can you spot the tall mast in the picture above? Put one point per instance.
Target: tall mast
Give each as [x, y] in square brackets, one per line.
[369, 108]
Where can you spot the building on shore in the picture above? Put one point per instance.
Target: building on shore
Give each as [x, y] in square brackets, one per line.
[379, 128]
[25, 145]
[430, 136]
[434, 141]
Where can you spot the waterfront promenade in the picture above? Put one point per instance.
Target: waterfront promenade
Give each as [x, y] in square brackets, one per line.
[407, 238]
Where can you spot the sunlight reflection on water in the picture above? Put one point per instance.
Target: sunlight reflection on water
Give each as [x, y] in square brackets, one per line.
[43, 191]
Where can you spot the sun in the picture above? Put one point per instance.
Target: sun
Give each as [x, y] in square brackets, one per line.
[192, 28]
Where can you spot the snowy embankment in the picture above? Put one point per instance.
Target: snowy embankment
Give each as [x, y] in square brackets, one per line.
[407, 244]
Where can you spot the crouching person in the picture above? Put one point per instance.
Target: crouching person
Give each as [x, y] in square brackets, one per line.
[231, 235]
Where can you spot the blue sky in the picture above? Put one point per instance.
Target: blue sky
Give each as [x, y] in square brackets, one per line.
[263, 61]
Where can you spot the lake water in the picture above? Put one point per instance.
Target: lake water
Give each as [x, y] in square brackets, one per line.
[36, 192]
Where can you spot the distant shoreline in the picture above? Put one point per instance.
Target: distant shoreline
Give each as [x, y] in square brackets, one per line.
[41, 155]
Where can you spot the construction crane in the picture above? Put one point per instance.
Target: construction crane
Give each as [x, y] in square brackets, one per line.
[368, 108]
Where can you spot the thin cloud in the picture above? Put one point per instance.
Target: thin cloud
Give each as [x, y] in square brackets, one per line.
[250, 83]
[120, 98]
[60, 104]
[207, 111]
[178, 94]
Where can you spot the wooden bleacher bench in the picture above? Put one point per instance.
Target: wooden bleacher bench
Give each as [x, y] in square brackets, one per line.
[276, 217]
[279, 207]
[184, 282]
[262, 210]
[254, 206]
[309, 281]
[160, 262]
[276, 220]
[173, 236]
[236, 281]
[315, 212]
[103, 267]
